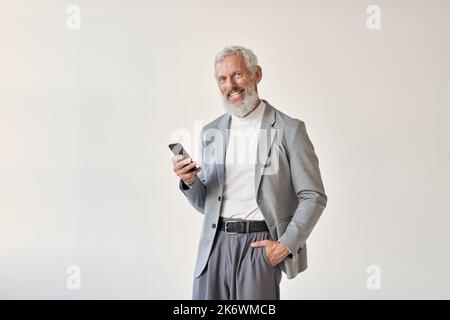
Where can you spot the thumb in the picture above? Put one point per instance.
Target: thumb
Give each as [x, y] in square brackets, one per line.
[257, 244]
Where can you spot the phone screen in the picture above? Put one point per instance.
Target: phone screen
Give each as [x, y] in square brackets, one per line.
[177, 149]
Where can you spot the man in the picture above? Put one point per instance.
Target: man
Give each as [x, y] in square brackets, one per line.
[258, 212]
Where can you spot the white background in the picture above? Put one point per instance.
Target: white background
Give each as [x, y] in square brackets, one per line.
[86, 116]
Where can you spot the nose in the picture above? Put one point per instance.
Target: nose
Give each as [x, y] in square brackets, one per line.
[230, 84]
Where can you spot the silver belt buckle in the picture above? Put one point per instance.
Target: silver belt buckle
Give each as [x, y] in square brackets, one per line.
[226, 227]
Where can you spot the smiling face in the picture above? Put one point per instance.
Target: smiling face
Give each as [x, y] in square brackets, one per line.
[236, 81]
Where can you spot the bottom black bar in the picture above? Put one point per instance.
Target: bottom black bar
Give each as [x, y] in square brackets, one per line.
[187, 309]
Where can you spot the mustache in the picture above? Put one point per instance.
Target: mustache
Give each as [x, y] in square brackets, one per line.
[240, 88]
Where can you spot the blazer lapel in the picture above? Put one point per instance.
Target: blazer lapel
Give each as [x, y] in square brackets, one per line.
[223, 126]
[265, 141]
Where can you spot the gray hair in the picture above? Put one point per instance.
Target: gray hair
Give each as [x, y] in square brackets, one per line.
[250, 58]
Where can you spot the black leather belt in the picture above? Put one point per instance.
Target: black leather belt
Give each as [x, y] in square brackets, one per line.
[242, 226]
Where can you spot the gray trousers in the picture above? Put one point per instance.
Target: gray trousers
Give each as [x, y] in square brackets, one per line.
[236, 271]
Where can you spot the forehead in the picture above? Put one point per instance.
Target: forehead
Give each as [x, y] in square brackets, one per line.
[231, 64]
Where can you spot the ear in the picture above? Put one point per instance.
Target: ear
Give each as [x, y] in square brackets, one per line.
[258, 74]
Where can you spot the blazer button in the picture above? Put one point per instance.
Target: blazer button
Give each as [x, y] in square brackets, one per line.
[213, 226]
[220, 198]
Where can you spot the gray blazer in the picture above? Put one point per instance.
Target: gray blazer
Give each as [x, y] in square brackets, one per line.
[288, 184]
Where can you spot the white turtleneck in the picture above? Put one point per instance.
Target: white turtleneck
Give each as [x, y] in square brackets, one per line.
[239, 197]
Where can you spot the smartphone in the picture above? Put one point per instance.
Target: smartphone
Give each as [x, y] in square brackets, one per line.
[177, 148]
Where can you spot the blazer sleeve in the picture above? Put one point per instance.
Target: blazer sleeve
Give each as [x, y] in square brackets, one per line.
[196, 193]
[307, 182]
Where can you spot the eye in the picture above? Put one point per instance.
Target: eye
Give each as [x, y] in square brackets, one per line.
[238, 74]
[220, 79]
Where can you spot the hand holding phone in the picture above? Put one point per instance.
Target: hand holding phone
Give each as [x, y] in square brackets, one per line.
[183, 166]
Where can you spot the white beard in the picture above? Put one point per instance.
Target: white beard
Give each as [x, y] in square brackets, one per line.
[243, 108]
